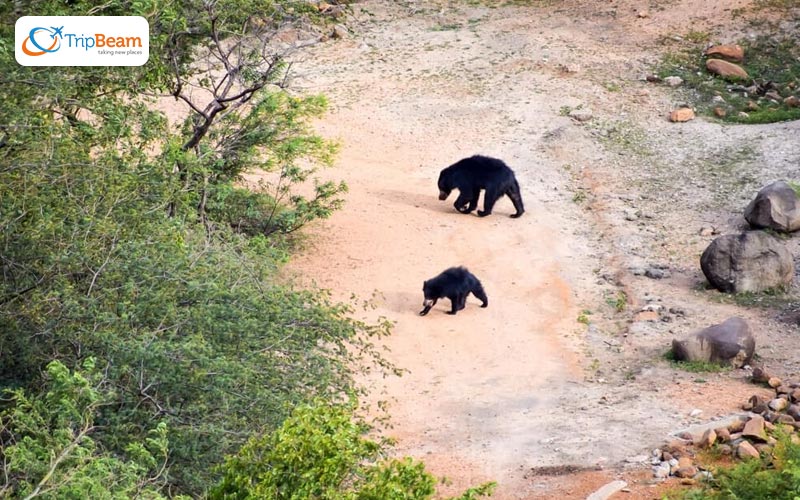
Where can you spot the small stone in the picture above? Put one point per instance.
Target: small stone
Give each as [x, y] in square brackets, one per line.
[774, 382]
[681, 115]
[675, 448]
[673, 81]
[760, 375]
[723, 434]
[642, 14]
[793, 411]
[646, 316]
[736, 426]
[725, 449]
[656, 274]
[666, 456]
[688, 481]
[773, 95]
[686, 472]
[340, 31]
[720, 112]
[752, 106]
[581, 115]
[733, 53]
[695, 413]
[778, 404]
[652, 78]
[746, 450]
[783, 389]
[708, 439]
[726, 70]
[662, 471]
[608, 490]
[785, 419]
[754, 429]
[631, 214]
[792, 102]
[794, 395]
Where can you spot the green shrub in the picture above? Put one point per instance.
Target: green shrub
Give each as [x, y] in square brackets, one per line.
[321, 452]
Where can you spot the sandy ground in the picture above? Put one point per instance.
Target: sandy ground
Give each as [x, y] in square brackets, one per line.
[503, 392]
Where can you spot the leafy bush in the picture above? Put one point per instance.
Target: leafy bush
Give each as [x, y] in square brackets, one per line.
[49, 450]
[118, 242]
[775, 477]
[321, 452]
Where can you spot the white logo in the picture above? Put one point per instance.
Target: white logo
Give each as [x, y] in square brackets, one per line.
[82, 41]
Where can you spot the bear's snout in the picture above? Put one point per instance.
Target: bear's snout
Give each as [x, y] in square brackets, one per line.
[443, 195]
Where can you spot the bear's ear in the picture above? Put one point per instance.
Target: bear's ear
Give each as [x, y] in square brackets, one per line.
[425, 283]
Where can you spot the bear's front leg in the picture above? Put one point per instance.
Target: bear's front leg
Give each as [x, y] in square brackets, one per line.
[461, 203]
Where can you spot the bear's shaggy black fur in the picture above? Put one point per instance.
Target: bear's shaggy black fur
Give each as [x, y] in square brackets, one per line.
[472, 174]
[455, 284]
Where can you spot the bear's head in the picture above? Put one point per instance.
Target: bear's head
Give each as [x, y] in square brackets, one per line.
[444, 185]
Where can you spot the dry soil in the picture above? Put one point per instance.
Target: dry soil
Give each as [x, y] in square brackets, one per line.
[522, 392]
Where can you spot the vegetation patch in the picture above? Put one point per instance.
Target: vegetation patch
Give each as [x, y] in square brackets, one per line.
[695, 366]
[773, 66]
[775, 476]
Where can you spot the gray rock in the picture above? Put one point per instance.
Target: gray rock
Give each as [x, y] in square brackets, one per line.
[656, 274]
[673, 81]
[581, 115]
[728, 342]
[607, 491]
[748, 262]
[776, 207]
[340, 31]
[662, 470]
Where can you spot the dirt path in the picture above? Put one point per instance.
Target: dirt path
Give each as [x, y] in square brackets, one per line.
[492, 393]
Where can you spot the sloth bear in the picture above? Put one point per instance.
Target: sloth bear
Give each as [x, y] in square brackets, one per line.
[455, 284]
[472, 174]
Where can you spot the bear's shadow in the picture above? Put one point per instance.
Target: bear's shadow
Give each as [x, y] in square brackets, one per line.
[425, 201]
[404, 302]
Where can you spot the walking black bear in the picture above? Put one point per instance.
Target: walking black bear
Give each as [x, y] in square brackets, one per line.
[472, 174]
[455, 284]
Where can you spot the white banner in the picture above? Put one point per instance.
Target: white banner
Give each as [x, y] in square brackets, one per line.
[82, 41]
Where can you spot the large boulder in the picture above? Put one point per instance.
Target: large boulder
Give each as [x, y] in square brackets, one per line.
[749, 262]
[776, 207]
[728, 342]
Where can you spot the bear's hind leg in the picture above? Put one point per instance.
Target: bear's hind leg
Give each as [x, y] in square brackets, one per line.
[462, 301]
[516, 198]
[481, 295]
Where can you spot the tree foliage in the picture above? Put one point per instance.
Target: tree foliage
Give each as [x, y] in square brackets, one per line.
[125, 237]
[49, 450]
[321, 452]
